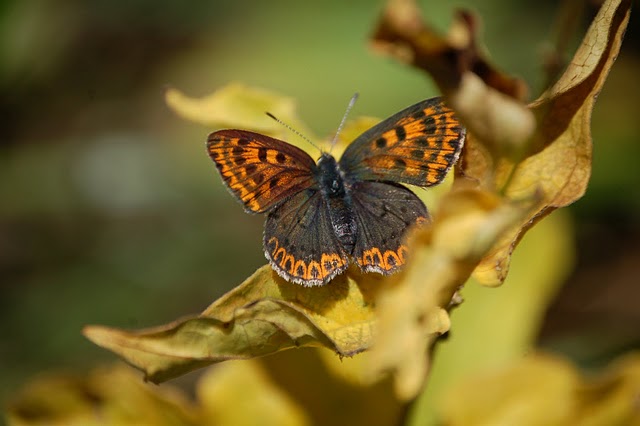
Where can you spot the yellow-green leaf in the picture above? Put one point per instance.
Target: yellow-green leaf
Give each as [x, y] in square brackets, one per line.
[238, 106]
[241, 393]
[106, 396]
[263, 315]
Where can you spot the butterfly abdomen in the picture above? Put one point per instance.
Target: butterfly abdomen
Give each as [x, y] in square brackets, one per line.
[338, 200]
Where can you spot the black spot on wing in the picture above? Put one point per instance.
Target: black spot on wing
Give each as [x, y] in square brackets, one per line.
[429, 124]
[400, 163]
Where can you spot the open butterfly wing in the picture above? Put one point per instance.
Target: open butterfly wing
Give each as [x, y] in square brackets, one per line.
[259, 170]
[300, 242]
[383, 212]
[417, 146]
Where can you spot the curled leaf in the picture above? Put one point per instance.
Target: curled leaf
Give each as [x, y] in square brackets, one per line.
[263, 315]
[560, 168]
[402, 33]
[541, 151]
[495, 327]
[412, 308]
[488, 101]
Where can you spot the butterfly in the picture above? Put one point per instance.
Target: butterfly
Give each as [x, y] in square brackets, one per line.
[324, 215]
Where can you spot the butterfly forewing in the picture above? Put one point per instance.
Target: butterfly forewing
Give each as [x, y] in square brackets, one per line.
[300, 243]
[417, 146]
[259, 170]
[383, 212]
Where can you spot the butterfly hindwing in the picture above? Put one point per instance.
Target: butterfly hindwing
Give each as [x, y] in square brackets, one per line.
[300, 242]
[417, 146]
[259, 170]
[383, 212]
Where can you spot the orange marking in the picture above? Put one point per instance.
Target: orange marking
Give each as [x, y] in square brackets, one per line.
[273, 240]
[413, 129]
[285, 259]
[368, 256]
[397, 261]
[279, 252]
[402, 251]
[314, 271]
[300, 264]
[333, 261]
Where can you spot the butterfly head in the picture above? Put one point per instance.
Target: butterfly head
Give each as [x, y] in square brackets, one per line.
[329, 176]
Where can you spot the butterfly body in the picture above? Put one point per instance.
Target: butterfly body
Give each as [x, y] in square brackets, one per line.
[323, 216]
[336, 194]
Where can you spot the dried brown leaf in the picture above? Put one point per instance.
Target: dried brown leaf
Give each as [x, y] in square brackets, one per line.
[488, 101]
[560, 168]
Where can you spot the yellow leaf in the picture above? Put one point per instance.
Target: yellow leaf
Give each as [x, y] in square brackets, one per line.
[107, 396]
[612, 397]
[535, 391]
[241, 393]
[334, 390]
[239, 106]
[545, 390]
[263, 315]
[496, 326]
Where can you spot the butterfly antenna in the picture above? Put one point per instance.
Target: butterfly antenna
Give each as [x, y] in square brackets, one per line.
[291, 129]
[352, 102]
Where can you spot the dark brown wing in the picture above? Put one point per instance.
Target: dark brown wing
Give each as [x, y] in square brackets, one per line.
[383, 212]
[300, 242]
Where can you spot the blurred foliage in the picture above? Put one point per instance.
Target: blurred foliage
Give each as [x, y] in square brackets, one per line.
[110, 215]
[546, 390]
[537, 390]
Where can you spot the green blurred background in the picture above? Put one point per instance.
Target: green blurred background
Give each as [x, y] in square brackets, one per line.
[112, 212]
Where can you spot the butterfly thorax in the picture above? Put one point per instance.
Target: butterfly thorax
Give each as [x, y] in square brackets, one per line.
[336, 194]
